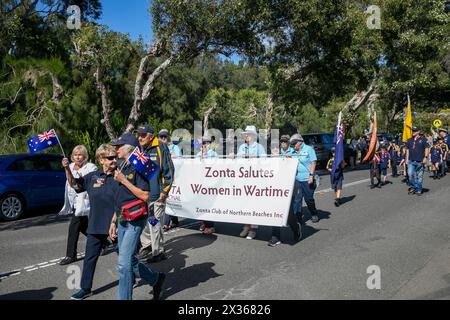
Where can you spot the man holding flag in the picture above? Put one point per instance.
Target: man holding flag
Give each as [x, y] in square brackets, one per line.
[131, 215]
[336, 163]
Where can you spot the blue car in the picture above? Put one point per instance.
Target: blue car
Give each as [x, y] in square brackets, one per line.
[30, 181]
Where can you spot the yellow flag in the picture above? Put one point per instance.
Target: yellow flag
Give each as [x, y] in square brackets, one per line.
[407, 127]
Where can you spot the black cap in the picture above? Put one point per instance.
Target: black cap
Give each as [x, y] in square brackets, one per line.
[126, 138]
[164, 133]
[285, 138]
[145, 129]
[415, 129]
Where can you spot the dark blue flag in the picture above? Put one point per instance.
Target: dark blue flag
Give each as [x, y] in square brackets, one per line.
[142, 163]
[43, 141]
[339, 148]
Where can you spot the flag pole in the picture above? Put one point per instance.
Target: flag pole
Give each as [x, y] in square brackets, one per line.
[60, 145]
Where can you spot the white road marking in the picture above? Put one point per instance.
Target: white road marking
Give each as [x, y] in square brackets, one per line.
[55, 260]
[47, 265]
[32, 269]
[41, 264]
[29, 267]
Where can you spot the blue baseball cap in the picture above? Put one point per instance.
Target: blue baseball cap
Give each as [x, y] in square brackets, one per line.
[145, 129]
[126, 138]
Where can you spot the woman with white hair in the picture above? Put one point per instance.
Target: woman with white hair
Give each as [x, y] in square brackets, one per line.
[76, 203]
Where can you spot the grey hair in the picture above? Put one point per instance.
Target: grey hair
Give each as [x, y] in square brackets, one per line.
[129, 148]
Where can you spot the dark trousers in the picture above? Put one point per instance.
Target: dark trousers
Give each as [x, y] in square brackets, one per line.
[94, 246]
[394, 168]
[375, 172]
[303, 190]
[77, 225]
[292, 222]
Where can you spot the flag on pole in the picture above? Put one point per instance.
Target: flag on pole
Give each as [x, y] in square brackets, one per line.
[143, 164]
[407, 127]
[339, 148]
[373, 145]
[43, 141]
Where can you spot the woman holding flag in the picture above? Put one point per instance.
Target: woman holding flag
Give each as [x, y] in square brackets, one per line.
[131, 215]
[100, 187]
[76, 203]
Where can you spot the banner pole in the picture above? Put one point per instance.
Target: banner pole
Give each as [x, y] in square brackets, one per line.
[60, 145]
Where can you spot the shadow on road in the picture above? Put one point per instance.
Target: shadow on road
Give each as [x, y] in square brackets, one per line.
[180, 277]
[35, 218]
[41, 294]
[347, 199]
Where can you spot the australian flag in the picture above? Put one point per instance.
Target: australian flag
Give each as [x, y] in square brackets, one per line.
[339, 148]
[43, 141]
[142, 163]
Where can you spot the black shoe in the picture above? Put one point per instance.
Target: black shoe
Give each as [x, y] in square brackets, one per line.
[82, 294]
[157, 258]
[67, 260]
[411, 191]
[274, 242]
[314, 219]
[372, 186]
[298, 235]
[419, 193]
[379, 185]
[337, 203]
[157, 288]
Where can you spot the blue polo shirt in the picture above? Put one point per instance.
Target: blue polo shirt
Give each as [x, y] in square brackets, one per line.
[306, 155]
[256, 150]
[123, 194]
[174, 149]
[417, 148]
[289, 150]
[209, 154]
[101, 189]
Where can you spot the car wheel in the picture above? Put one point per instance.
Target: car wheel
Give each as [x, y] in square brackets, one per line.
[11, 207]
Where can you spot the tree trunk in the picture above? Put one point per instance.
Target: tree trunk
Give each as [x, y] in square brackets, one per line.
[142, 92]
[269, 112]
[106, 106]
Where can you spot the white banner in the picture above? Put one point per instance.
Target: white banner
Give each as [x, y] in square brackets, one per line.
[249, 191]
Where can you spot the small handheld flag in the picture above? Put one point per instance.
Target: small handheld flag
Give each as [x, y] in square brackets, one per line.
[143, 164]
[43, 141]
[339, 149]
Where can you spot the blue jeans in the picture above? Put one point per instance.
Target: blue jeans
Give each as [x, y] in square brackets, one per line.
[415, 174]
[129, 266]
[304, 190]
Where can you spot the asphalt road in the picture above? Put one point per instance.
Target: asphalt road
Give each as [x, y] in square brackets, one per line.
[405, 236]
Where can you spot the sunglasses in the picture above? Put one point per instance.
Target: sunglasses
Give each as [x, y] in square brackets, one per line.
[111, 158]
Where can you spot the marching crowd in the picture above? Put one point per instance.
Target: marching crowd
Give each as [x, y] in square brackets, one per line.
[116, 205]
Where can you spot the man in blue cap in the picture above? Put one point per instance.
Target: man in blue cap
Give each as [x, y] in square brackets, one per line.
[152, 240]
[417, 151]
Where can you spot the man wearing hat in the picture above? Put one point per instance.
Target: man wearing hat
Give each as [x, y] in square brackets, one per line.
[207, 227]
[286, 150]
[443, 133]
[250, 149]
[304, 180]
[206, 152]
[175, 152]
[164, 137]
[152, 240]
[417, 151]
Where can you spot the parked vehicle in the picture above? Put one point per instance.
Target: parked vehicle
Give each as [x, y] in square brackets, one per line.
[322, 144]
[30, 181]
